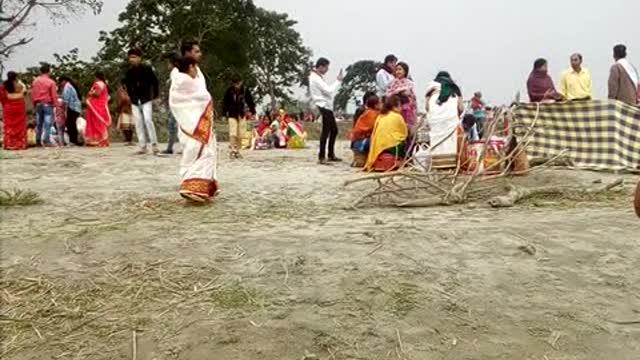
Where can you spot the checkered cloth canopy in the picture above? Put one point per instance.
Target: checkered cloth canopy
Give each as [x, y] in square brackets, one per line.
[603, 135]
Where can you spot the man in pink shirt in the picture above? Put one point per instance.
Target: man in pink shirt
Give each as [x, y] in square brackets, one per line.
[44, 96]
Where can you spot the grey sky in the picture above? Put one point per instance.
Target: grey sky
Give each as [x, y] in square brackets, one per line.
[486, 45]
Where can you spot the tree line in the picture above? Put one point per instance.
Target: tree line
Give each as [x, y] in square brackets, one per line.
[237, 37]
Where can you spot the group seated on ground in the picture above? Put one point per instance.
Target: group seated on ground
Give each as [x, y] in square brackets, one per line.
[387, 148]
[384, 140]
[280, 132]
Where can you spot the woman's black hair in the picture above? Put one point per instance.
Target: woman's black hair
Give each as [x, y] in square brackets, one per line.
[99, 74]
[539, 63]
[405, 67]
[390, 103]
[372, 102]
[185, 63]
[72, 83]
[366, 97]
[9, 85]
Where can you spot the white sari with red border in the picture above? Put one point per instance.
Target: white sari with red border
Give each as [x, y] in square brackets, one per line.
[192, 106]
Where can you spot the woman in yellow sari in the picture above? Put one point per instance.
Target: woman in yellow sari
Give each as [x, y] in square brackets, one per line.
[387, 140]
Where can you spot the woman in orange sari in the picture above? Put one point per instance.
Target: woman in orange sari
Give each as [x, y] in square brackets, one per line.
[97, 114]
[361, 132]
[387, 149]
[14, 116]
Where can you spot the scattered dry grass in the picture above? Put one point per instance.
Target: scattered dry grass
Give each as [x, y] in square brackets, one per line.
[19, 197]
[85, 316]
[402, 299]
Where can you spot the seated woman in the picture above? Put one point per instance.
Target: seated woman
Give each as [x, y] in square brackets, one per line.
[296, 136]
[361, 132]
[262, 135]
[387, 140]
[279, 134]
[444, 108]
[540, 85]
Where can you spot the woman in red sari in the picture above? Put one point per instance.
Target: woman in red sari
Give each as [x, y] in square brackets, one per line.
[14, 115]
[97, 114]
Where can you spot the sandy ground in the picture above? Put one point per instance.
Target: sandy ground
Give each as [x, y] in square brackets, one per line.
[278, 268]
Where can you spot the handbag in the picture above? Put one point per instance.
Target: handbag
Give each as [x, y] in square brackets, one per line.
[361, 146]
[422, 158]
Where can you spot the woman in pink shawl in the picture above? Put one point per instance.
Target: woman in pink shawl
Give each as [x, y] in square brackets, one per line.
[97, 114]
[404, 88]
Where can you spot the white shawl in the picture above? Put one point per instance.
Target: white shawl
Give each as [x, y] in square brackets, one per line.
[631, 71]
[189, 99]
[443, 120]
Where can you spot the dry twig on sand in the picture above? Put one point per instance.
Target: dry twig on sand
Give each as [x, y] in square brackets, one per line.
[516, 194]
[134, 345]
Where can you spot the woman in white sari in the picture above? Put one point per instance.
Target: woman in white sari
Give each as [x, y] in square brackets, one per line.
[192, 107]
[444, 108]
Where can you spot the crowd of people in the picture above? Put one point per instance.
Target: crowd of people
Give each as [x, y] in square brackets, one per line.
[576, 83]
[381, 142]
[386, 128]
[279, 131]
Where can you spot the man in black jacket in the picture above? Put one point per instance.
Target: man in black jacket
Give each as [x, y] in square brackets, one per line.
[142, 86]
[236, 106]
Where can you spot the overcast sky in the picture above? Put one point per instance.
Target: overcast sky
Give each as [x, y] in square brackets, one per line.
[486, 45]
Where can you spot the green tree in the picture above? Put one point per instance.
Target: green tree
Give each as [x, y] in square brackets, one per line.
[281, 59]
[15, 15]
[360, 77]
[235, 35]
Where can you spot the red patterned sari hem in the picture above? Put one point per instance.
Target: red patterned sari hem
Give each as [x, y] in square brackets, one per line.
[201, 189]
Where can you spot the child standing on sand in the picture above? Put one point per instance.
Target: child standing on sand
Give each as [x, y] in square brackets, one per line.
[125, 117]
[60, 121]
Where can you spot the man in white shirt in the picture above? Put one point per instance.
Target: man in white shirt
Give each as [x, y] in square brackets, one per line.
[322, 95]
[385, 75]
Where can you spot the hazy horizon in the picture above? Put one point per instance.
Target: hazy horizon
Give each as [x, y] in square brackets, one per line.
[486, 46]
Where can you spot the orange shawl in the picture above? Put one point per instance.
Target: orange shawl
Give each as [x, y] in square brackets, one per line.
[365, 124]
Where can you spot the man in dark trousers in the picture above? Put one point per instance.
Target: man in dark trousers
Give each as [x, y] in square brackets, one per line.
[237, 105]
[322, 95]
[172, 126]
[141, 84]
